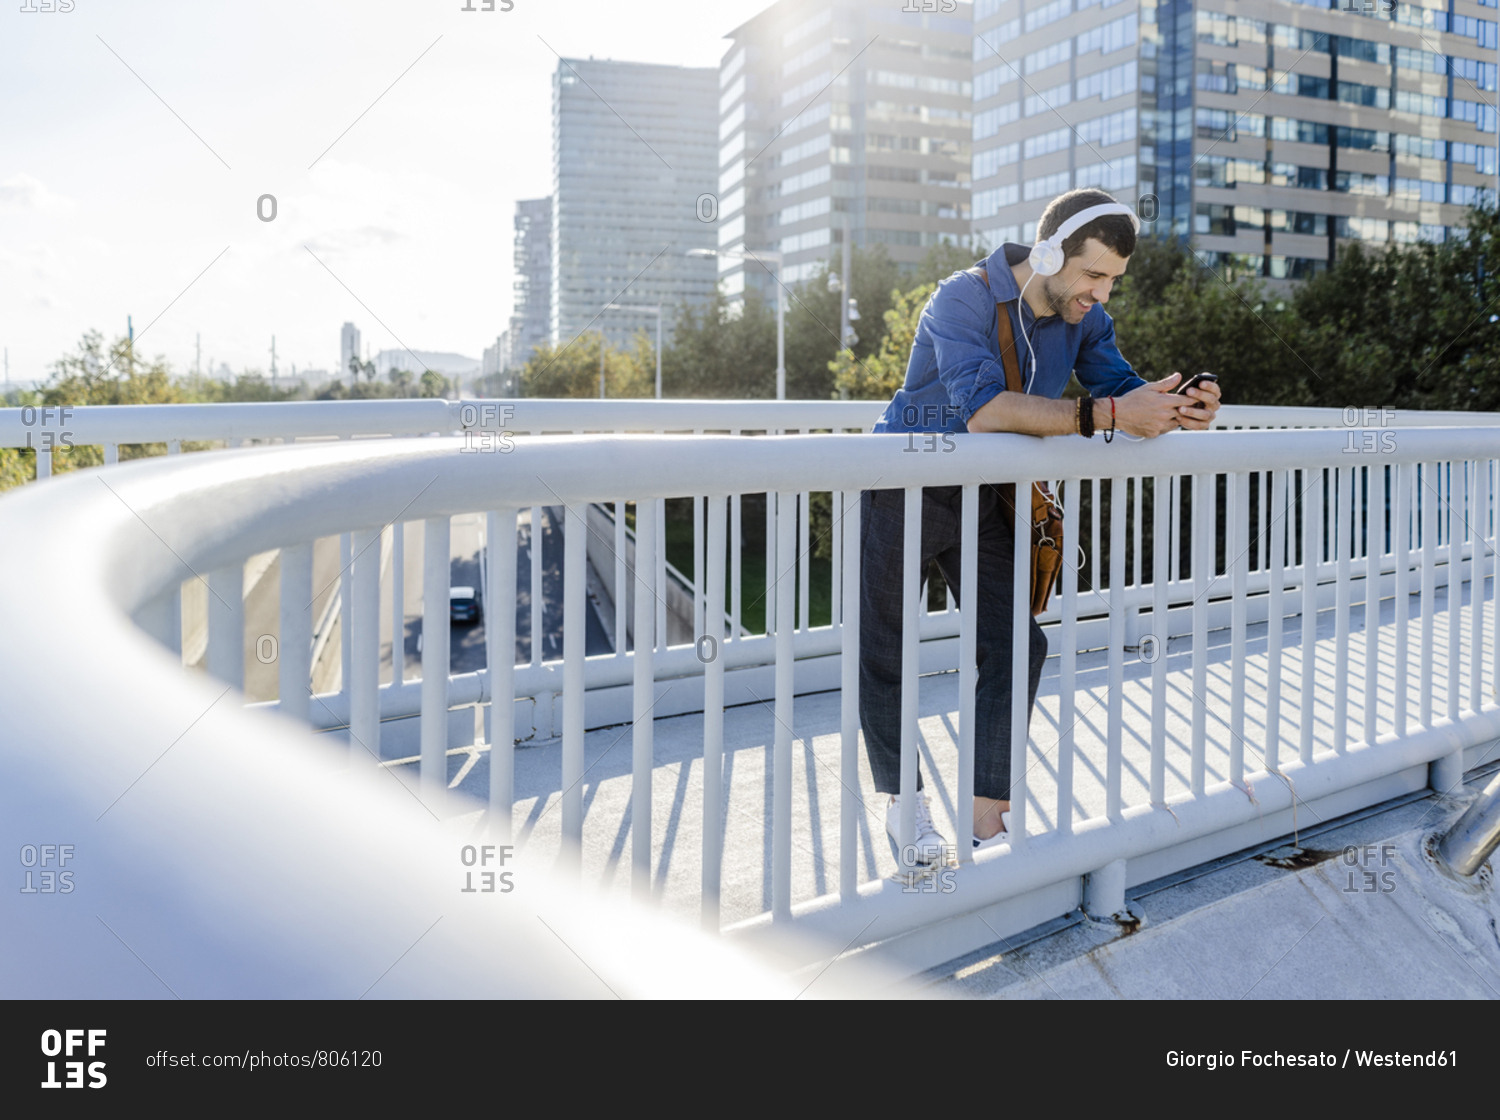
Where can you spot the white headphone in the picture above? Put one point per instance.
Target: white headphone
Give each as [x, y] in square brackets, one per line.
[1047, 256]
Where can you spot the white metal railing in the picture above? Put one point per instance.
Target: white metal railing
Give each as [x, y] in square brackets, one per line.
[492, 425]
[1304, 519]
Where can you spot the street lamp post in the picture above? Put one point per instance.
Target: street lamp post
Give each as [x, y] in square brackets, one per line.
[763, 258]
[637, 307]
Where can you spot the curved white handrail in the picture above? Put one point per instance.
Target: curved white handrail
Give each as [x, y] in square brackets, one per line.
[115, 424]
[220, 852]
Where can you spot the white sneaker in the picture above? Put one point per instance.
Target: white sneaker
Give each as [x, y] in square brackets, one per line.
[928, 845]
[1001, 837]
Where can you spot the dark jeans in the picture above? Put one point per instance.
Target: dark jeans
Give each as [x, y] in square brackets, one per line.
[883, 515]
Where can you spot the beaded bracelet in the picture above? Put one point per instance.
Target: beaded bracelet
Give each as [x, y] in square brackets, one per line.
[1086, 416]
[1110, 435]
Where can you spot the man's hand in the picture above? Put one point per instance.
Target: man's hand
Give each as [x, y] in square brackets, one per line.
[1145, 412]
[1154, 409]
[1200, 416]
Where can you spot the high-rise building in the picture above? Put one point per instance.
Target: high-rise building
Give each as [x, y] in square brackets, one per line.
[1267, 133]
[348, 348]
[833, 111]
[497, 362]
[633, 155]
[531, 317]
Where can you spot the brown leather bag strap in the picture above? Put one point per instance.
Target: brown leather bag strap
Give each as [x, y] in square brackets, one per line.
[1008, 356]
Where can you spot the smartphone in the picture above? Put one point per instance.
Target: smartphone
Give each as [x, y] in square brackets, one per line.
[1195, 381]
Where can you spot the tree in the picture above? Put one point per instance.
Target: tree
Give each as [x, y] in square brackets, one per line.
[1409, 326]
[251, 385]
[877, 376]
[813, 321]
[572, 370]
[942, 261]
[1173, 313]
[357, 367]
[91, 375]
[723, 349]
[433, 384]
[718, 352]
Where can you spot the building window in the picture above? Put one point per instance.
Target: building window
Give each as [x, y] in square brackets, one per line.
[988, 163]
[1115, 81]
[1050, 13]
[1046, 100]
[1107, 37]
[988, 203]
[1045, 186]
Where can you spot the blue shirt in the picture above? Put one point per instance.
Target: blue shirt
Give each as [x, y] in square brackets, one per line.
[955, 367]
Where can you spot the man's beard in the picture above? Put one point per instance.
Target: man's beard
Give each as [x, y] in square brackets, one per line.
[1058, 299]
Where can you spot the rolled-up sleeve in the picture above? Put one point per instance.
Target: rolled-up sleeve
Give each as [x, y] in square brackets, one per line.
[1100, 367]
[960, 321]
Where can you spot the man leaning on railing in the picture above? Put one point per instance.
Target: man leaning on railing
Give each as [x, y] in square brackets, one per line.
[956, 381]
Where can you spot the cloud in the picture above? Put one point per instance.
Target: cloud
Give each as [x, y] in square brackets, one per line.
[352, 240]
[23, 192]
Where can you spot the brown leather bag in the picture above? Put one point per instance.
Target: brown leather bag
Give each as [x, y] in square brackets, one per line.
[1046, 514]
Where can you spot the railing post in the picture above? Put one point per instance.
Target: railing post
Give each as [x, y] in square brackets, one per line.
[1020, 662]
[712, 581]
[623, 585]
[1163, 515]
[1067, 683]
[1114, 745]
[1203, 562]
[642, 740]
[346, 612]
[1376, 495]
[1401, 521]
[1458, 501]
[1343, 546]
[226, 624]
[1478, 565]
[851, 808]
[968, 671]
[663, 638]
[804, 560]
[1447, 773]
[1428, 504]
[1104, 891]
[538, 623]
[1238, 560]
[435, 631]
[736, 565]
[781, 803]
[575, 634]
[1312, 546]
[769, 598]
[1275, 611]
[398, 605]
[500, 656]
[364, 661]
[294, 639]
[699, 587]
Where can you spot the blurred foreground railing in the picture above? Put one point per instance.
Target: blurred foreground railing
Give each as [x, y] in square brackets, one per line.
[1233, 529]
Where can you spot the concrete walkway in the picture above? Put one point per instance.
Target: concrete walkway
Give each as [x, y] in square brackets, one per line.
[817, 790]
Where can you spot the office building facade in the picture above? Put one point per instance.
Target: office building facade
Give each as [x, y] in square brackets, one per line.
[843, 112]
[348, 348]
[1268, 133]
[633, 155]
[531, 315]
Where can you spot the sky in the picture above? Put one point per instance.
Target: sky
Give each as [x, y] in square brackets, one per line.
[137, 138]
